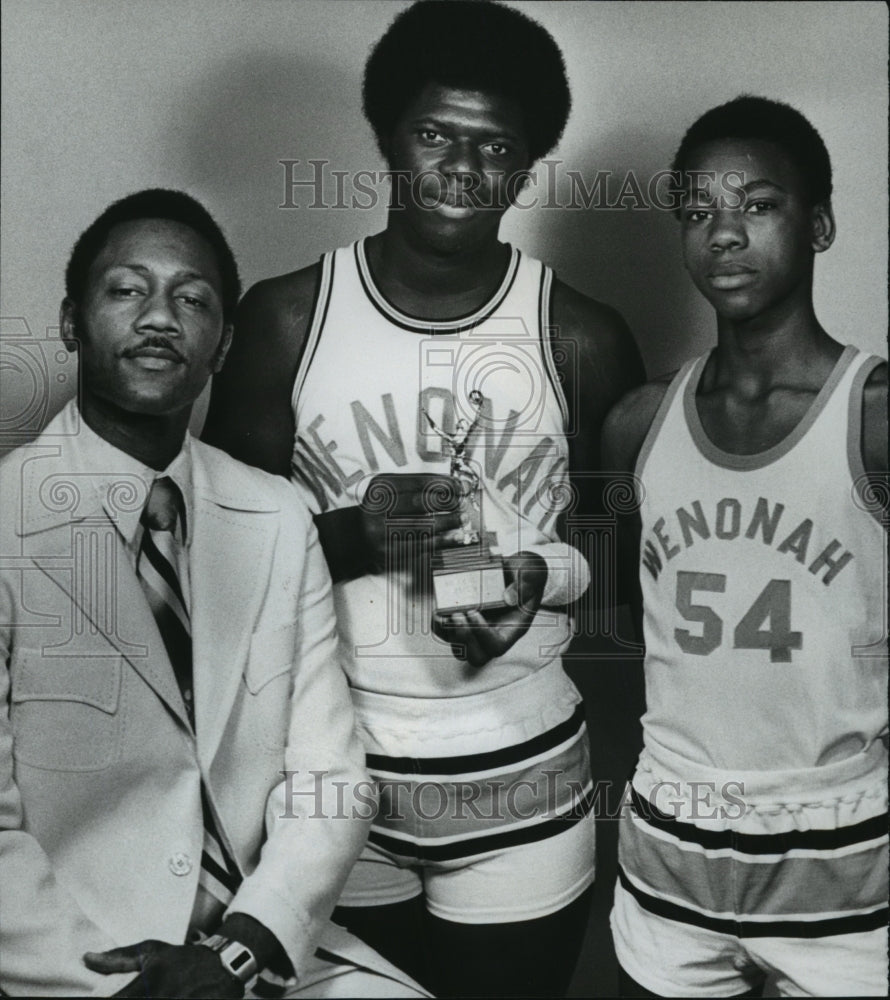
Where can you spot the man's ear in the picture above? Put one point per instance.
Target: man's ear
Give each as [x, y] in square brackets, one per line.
[823, 228]
[68, 325]
[222, 350]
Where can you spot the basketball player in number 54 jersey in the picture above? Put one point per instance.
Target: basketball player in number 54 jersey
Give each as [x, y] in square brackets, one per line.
[754, 845]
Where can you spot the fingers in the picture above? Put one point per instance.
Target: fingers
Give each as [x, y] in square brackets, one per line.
[129, 958]
[167, 970]
[412, 493]
[400, 545]
[466, 642]
[409, 516]
[477, 640]
[526, 573]
[436, 494]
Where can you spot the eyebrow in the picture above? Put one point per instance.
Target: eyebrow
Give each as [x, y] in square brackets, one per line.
[181, 275]
[506, 133]
[762, 182]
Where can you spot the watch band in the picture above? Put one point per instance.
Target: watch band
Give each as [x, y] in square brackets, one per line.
[236, 958]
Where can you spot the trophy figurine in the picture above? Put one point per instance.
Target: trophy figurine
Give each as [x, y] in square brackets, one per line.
[469, 576]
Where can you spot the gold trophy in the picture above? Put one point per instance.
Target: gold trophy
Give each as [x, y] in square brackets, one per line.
[469, 576]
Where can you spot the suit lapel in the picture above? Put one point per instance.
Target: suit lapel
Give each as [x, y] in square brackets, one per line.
[230, 557]
[104, 590]
[77, 545]
[67, 530]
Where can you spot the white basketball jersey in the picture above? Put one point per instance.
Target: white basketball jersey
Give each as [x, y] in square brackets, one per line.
[369, 377]
[763, 580]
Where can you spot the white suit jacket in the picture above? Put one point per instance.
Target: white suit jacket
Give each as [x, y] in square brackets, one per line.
[100, 814]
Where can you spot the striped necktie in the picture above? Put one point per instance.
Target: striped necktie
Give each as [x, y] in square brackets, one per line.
[161, 567]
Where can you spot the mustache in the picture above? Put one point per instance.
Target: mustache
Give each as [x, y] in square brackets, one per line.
[156, 341]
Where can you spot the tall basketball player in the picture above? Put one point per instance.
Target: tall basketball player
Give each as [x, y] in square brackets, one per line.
[432, 349]
[756, 845]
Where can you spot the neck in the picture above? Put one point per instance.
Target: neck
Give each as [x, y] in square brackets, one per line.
[401, 258]
[774, 346]
[153, 440]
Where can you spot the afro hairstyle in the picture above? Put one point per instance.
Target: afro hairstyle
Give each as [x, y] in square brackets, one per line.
[471, 45]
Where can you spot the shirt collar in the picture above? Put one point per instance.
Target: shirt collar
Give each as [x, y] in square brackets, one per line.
[114, 473]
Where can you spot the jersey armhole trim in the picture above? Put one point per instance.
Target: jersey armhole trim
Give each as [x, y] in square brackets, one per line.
[547, 332]
[316, 324]
[864, 496]
[661, 413]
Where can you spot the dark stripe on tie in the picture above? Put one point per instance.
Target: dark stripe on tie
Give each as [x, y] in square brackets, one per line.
[855, 923]
[178, 644]
[512, 837]
[329, 956]
[759, 843]
[480, 761]
[210, 826]
[219, 873]
[162, 567]
[176, 635]
[209, 819]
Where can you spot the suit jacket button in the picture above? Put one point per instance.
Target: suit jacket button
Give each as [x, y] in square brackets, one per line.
[179, 863]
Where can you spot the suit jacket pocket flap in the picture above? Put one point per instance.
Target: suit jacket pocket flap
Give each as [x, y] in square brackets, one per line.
[272, 653]
[91, 680]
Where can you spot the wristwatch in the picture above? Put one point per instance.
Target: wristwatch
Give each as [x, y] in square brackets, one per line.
[236, 958]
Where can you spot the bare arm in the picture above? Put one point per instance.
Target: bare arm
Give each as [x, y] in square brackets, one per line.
[874, 422]
[624, 432]
[598, 362]
[250, 413]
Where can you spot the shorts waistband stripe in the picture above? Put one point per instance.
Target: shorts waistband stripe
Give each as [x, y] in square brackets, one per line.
[722, 883]
[484, 844]
[827, 927]
[467, 763]
[426, 810]
[759, 843]
[861, 772]
[569, 747]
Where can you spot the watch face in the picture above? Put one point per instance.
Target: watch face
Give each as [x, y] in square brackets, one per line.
[235, 957]
[239, 960]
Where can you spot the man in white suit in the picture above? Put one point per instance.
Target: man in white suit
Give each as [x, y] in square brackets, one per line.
[180, 801]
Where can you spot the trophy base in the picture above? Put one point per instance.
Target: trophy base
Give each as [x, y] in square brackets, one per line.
[468, 579]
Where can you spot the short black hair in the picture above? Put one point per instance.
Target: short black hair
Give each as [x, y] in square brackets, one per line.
[153, 203]
[471, 45]
[749, 117]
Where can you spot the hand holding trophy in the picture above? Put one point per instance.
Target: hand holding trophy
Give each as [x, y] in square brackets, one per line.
[470, 576]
